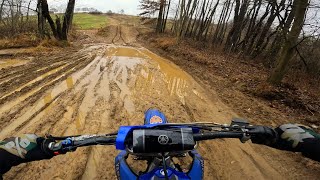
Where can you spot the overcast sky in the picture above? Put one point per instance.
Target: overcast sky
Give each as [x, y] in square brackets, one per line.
[129, 6]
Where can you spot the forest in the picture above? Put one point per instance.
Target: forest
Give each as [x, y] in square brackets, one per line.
[279, 31]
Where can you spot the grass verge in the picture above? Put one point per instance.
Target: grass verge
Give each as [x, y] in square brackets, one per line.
[89, 21]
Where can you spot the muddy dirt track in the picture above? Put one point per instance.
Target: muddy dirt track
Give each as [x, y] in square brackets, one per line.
[104, 85]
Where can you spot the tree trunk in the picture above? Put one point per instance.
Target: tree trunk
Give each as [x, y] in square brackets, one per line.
[67, 20]
[288, 49]
[256, 8]
[256, 30]
[235, 32]
[59, 32]
[1, 9]
[59, 27]
[174, 26]
[210, 19]
[218, 29]
[41, 19]
[257, 50]
[28, 10]
[46, 14]
[194, 20]
[160, 15]
[188, 31]
[285, 25]
[166, 18]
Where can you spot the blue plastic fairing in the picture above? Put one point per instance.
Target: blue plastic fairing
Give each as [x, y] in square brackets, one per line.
[197, 168]
[158, 173]
[123, 171]
[154, 116]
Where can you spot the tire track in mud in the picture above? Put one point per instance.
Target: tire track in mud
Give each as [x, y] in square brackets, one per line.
[58, 118]
[120, 40]
[120, 28]
[33, 66]
[5, 119]
[27, 79]
[31, 97]
[92, 125]
[113, 42]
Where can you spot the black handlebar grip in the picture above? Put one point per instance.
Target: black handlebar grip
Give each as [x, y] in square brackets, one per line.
[263, 135]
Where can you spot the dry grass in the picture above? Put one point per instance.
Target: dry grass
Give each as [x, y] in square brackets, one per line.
[52, 43]
[22, 40]
[165, 42]
[104, 32]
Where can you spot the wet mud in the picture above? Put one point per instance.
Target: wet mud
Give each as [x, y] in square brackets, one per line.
[101, 87]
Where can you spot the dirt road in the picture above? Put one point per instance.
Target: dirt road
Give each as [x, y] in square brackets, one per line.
[103, 86]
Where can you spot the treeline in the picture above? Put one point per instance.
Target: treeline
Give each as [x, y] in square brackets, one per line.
[251, 28]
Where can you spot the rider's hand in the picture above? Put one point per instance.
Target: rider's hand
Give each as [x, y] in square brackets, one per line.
[299, 138]
[21, 149]
[263, 135]
[293, 136]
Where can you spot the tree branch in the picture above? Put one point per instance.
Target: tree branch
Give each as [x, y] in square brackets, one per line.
[302, 58]
[10, 5]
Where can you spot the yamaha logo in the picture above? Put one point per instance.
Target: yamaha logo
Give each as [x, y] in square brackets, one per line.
[163, 139]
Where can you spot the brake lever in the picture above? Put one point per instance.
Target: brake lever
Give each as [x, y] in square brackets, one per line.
[62, 147]
[241, 124]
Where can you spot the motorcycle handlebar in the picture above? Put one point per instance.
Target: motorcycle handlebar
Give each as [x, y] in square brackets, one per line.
[215, 135]
[255, 133]
[97, 140]
[70, 144]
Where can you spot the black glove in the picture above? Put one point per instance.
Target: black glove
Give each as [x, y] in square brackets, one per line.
[293, 136]
[263, 135]
[21, 149]
[298, 138]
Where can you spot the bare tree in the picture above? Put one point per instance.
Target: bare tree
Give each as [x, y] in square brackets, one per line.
[148, 7]
[288, 49]
[160, 16]
[60, 32]
[235, 32]
[1, 9]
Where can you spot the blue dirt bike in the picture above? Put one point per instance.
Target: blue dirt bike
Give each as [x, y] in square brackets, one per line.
[157, 142]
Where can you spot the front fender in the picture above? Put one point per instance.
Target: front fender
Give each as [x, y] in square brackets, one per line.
[123, 171]
[197, 168]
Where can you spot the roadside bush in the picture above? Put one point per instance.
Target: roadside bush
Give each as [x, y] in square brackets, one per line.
[20, 40]
[19, 27]
[310, 53]
[96, 12]
[109, 13]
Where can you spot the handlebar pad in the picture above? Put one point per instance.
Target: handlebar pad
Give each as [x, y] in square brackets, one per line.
[214, 135]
